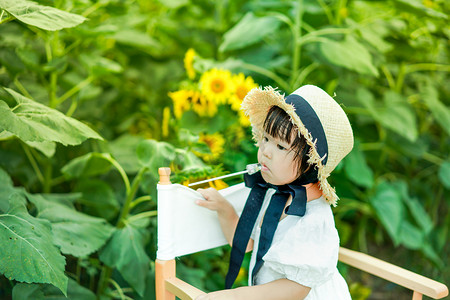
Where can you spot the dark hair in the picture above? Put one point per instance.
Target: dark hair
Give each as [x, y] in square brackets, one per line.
[278, 124]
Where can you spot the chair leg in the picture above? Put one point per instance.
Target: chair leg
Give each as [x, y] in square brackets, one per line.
[164, 269]
[417, 296]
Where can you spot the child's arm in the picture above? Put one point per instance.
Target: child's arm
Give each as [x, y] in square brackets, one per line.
[228, 217]
[281, 289]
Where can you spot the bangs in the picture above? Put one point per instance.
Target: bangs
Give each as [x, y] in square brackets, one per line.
[278, 124]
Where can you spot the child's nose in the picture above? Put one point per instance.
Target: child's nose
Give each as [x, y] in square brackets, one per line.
[266, 152]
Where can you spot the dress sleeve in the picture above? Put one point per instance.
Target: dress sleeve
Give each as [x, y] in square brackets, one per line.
[308, 252]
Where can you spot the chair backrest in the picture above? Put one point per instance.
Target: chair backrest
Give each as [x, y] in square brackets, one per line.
[185, 228]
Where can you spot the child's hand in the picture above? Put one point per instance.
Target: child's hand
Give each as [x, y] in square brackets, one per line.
[213, 200]
[228, 217]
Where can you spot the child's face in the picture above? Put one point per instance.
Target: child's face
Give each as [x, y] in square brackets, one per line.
[277, 161]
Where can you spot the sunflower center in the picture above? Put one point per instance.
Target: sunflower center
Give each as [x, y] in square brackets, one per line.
[217, 86]
[241, 92]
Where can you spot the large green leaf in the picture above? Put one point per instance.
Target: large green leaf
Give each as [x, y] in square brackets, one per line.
[357, 169]
[28, 252]
[98, 198]
[125, 251]
[411, 236]
[124, 151]
[153, 154]
[35, 122]
[250, 30]
[394, 113]
[444, 174]
[398, 115]
[349, 54]
[417, 7]
[87, 165]
[44, 17]
[440, 112]
[388, 205]
[24, 291]
[99, 65]
[135, 38]
[76, 233]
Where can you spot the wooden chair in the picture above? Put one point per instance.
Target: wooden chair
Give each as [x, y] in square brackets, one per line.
[185, 228]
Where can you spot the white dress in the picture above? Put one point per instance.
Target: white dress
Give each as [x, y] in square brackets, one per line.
[305, 250]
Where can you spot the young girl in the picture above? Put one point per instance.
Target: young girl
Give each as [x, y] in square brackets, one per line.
[287, 220]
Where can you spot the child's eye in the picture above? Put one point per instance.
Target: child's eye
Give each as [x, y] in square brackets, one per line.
[265, 139]
[281, 147]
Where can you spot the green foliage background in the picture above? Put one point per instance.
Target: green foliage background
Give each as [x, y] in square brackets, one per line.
[82, 131]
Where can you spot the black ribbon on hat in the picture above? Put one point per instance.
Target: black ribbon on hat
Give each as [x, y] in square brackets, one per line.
[278, 201]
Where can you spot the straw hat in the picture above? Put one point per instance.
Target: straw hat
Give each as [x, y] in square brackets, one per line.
[319, 118]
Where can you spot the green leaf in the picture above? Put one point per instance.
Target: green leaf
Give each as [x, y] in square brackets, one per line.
[99, 65]
[419, 214]
[135, 38]
[98, 198]
[125, 251]
[76, 233]
[124, 151]
[398, 115]
[153, 154]
[88, 165]
[250, 30]
[357, 169]
[35, 122]
[46, 148]
[411, 236]
[444, 174]
[28, 252]
[44, 17]
[417, 7]
[440, 112]
[24, 291]
[389, 208]
[349, 54]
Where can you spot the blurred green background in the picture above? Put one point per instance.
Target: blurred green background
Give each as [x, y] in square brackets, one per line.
[96, 95]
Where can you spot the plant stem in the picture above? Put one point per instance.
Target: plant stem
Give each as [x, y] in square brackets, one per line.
[427, 67]
[74, 90]
[140, 200]
[400, 78]
[304, 73]
[103, 280]
[48, 177]
[278, 80]
[389, 77]
[130, 195]
[21, 88]
[33, 162]
[10, 18]
[118, 289]
[296, 44]
[121, 172]
[145, 214]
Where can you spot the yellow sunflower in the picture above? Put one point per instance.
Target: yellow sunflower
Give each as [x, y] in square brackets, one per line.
[181, 101]
[203, 106]
[218, 184]
[243, 119]
[189, 63]
[215, 143]
[241, 87]
[216, 85]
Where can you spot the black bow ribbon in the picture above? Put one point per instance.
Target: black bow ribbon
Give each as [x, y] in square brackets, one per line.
[271, 218]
